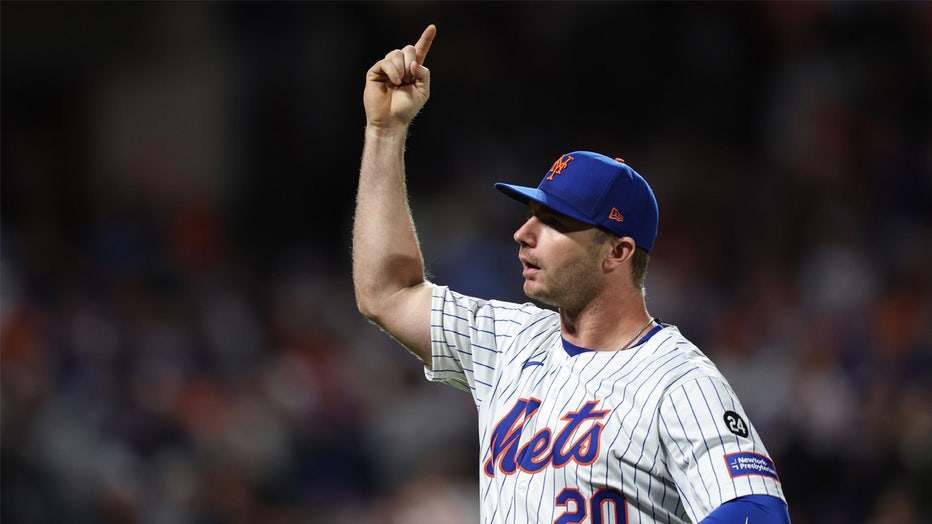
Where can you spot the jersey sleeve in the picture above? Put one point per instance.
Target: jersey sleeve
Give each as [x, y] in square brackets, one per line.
[759, 509]
[712, 451]
[468, 337]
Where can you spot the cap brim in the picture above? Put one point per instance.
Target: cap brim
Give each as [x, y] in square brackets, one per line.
[525, 194]
[520, 193]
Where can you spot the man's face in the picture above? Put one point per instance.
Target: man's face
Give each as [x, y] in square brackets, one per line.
[562, 261]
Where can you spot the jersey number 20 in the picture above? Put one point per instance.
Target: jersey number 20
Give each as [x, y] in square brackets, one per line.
[601, 500]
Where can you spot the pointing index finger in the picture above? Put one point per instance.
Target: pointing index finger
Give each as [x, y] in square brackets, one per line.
[423, 44]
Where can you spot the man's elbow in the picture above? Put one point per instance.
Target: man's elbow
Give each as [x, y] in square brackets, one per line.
[377, 293]
[376, 306]
[367, 306]
[393, 309]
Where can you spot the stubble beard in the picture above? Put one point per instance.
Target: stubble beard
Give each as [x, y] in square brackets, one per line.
[570, 287]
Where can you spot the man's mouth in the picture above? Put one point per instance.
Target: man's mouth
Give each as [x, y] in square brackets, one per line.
[530, 267]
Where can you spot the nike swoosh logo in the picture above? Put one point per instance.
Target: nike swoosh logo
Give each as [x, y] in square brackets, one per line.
[746, 520]
[530, 363]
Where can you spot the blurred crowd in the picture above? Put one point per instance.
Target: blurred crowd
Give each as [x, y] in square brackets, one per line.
[180, 342]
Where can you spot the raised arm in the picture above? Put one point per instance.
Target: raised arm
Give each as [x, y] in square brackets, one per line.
[388, 268]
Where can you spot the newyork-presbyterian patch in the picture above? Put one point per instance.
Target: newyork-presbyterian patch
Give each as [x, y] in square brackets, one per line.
[747, 463]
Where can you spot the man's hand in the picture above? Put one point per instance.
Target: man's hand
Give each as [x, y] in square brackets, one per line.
[398, 86]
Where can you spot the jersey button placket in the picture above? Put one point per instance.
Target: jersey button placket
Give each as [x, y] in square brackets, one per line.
[559, 379]
[563, 376]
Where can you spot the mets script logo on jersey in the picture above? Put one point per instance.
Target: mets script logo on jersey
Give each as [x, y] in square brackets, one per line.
[554, 447]
[558, 166]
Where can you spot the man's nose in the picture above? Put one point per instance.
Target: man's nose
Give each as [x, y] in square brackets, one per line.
[525, 235]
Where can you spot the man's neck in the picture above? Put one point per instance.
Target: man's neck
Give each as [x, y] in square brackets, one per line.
[605, 325]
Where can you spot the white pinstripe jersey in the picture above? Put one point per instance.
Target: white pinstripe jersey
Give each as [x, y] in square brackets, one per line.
[650, 434]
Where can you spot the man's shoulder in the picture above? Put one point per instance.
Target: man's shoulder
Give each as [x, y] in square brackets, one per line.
[684, 360]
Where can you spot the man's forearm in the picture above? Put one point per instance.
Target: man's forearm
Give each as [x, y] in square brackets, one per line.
[386, 254]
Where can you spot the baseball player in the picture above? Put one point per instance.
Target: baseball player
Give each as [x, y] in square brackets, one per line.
[594, 412]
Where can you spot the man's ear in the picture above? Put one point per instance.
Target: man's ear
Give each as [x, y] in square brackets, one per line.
[622, 250]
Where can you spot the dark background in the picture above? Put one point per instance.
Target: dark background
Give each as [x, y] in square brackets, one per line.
[179, 338]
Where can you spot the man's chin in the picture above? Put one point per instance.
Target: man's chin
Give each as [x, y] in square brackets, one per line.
[535, 293]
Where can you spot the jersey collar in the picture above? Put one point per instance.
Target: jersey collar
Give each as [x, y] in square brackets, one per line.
[573, 350]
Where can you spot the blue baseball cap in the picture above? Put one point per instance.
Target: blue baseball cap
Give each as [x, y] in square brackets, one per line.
[597, 190]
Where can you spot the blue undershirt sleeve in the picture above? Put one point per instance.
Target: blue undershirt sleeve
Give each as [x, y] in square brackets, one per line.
[750, 509]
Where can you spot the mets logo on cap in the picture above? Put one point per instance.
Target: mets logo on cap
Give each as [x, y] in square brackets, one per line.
[559, 165]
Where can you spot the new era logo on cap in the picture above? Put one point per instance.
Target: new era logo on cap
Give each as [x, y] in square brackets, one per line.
[597, 190]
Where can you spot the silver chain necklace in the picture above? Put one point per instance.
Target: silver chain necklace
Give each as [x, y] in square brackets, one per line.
[636, 335]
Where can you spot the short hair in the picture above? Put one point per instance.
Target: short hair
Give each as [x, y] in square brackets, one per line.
[638, 262]
[639, 267]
